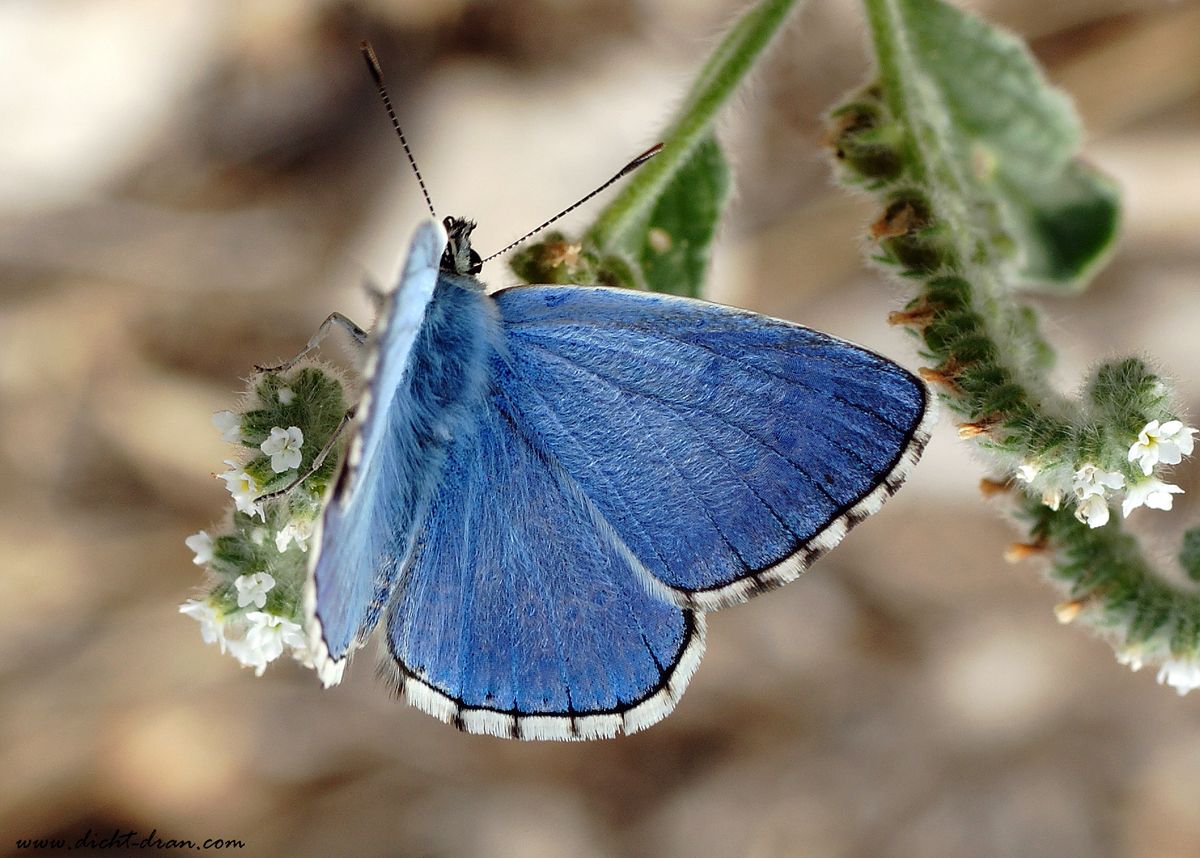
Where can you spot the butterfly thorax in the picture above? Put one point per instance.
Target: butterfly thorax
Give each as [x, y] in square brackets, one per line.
[459, 258]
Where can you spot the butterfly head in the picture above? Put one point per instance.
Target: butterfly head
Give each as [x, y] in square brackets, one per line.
[459, 258]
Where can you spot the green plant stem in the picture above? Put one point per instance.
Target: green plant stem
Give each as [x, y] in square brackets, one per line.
[1104, 569]
[725, 69]
[886, 34]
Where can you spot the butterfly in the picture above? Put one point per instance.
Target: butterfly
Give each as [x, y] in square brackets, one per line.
[545, 488]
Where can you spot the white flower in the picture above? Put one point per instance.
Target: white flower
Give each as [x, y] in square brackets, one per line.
[286, 396]
[1092, 510]
[258, 535]
[1131, 655]
[1027, 471]
[243, 487]
[1151, 493]
[1052, 498]
[284, 448]
[298, 530]
[211, 626]
[200, 543]
[268, 635]
[1167, 443]
[253, 589]
[1090, 480]
[1182, 674]
[246, 652]
[229, 425]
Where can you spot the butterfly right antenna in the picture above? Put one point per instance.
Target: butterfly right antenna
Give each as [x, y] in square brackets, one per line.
[377, 74]
[622, 173]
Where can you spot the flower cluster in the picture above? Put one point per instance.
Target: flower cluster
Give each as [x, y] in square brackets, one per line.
[256, 562]
[253, 637]
[1092, 487]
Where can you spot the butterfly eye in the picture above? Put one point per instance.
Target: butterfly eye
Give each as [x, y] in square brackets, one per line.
[447, 223]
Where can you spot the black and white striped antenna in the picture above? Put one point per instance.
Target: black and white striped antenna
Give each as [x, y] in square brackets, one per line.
[377, 74]
[622, 173]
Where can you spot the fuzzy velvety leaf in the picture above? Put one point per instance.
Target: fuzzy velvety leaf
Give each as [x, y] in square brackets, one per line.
[677, 238]
[1008, 141]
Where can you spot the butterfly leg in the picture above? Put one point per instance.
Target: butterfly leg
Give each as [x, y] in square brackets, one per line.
[318, 460]
[356, 333]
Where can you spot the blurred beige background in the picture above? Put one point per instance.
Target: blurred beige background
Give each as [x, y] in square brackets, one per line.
[187, 188]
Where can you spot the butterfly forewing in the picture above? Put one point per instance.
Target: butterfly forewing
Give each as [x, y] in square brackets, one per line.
[726, 449]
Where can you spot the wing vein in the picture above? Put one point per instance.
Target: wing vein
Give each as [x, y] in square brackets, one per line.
[647, 396]
[607, 532]
[749, 369]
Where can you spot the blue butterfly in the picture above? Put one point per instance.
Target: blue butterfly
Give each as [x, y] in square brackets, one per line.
[547, 487]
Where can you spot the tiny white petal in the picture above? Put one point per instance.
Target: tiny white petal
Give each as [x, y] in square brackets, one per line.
[1131, 656]
[1091, 480]
[284, 448]
[1183, 438]
[211, 627]
[243, 488]
[1182, 674]
[1152, 493]
[1092, 510]
[253, 589]
[269, 634]
[245, 650]
[201, 545]
[296, 530]
[286, 396]
[1167, 443]
[229, 425]
[1052, 498]
[1027, 471]
[1161, 497]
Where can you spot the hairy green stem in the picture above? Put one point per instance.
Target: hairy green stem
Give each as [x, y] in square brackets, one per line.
[724, 71]
[991, 362]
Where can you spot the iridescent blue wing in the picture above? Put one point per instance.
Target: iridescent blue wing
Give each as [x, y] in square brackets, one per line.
[520, 614]
[394, 460]
[726, 450]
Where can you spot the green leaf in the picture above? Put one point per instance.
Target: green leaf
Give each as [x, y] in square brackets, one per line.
[679, 232]
[1065, 227]
[999, 140]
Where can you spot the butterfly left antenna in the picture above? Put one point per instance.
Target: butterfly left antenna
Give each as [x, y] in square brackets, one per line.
[622, 173]
[377, 74]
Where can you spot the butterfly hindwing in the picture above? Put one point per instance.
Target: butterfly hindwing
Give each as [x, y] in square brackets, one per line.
[520, 613]
[727, 450]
